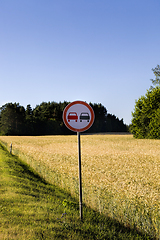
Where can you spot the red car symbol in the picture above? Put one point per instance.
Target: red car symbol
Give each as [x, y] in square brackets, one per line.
[72, 116]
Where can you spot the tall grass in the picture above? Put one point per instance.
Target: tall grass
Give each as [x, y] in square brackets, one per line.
[120, 174]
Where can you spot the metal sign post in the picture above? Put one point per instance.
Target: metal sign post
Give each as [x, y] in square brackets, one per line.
[80, 176]
[78, 116]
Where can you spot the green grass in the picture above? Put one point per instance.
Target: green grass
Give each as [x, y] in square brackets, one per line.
[30, 208]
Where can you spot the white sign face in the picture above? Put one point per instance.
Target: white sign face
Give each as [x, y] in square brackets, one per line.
[78, 116]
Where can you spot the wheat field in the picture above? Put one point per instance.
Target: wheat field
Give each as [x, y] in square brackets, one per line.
[120, 174]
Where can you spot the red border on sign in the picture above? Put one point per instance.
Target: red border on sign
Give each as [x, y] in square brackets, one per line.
[65, 118]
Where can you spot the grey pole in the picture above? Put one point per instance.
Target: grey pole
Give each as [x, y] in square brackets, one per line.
[80, 176]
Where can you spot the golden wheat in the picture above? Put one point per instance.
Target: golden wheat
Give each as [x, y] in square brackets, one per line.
[120, 174]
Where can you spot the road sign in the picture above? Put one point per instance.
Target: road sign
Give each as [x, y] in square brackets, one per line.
[78, 116]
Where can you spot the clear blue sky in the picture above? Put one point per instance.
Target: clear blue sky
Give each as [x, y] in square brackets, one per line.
[98, 51]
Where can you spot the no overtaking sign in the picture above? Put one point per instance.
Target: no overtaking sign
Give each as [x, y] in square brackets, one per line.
[78, 116]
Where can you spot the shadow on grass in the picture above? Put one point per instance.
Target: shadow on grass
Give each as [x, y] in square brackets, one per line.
[35, 209]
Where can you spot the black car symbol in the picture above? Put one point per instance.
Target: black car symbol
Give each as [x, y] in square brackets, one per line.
[84, 116]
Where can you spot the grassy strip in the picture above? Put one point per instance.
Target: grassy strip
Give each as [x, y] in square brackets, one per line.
[30, 208]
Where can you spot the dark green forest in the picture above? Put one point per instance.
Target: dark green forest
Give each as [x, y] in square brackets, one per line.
[46, 119]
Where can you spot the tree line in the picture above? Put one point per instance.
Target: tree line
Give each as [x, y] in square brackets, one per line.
[46, 119]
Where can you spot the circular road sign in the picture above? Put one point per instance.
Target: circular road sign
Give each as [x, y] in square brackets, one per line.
[78, 116]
